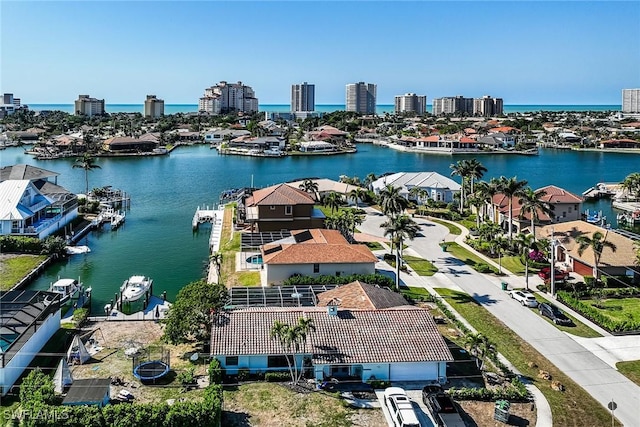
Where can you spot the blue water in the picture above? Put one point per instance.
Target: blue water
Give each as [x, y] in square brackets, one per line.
[326, 108]
[157, 241]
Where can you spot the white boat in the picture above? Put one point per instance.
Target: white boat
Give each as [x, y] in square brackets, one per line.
[74, 250]
[66, 288]
[135, 287]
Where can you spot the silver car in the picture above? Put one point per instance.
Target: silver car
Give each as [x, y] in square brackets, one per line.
[525, 298]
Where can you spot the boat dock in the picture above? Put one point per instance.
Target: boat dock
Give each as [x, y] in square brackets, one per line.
[216, 230]
[601, 190]
[114, 217]
[156, 309]
[203, 215]
[626, 233]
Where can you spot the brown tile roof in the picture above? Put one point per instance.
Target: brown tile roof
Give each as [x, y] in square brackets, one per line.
[358, 336]
[312, 252]
[361, 296]
[555, 195]
[559, 195]
[567, 232]
[280, 194]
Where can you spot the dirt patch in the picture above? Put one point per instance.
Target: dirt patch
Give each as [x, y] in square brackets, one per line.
[481, 414]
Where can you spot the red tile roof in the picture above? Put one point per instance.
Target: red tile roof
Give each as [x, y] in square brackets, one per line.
[280, 194]
[351, 336]
[559, 195]
[361, 296]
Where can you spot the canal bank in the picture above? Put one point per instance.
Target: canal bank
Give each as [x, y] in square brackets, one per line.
[157, 238]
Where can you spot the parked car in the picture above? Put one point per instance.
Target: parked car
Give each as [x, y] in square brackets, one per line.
[554, 313]
[442, 407]
[400, 407]
[525, 298]
[558, 275]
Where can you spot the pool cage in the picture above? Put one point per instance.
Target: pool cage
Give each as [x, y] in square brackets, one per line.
[152, 364]
[250, 243]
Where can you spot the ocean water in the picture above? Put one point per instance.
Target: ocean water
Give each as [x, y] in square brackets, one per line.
[325, 108]
[156, 240]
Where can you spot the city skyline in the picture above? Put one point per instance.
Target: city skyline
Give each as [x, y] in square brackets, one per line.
[531, 53]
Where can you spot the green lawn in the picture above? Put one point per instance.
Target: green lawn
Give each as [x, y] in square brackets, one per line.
[374, 246]
[453, 229]
[585, 411]
[630, 369]
[249, 278]
[421, 266]
[465, 256]
[13, 269]
[618, 309]
[580, 329]
[513, 264]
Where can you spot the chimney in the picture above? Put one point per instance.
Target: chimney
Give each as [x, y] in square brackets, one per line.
[332, 307]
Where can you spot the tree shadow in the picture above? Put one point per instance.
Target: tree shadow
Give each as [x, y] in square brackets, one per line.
[235, 419]
[483, 299]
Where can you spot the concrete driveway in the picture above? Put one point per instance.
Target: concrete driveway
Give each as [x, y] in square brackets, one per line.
[578, 361]
[422, 412]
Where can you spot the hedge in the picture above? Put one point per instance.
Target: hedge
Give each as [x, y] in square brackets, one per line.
[276, 377]
[596, 316]
[515, 392]
[372, 279]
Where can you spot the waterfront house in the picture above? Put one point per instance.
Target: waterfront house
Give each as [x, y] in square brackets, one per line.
[28, 319]
[261, 143]
[620, 143]
[565, 206]
[280, 207]
[128, 144]
[329, 134]
[497, 140]
[314, 252]
[618, 263]
[438, 188]
[326, 186]
[395, 344]
[218, 136]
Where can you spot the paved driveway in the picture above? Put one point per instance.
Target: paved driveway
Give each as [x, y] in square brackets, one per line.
[422, 412]
[599, 379]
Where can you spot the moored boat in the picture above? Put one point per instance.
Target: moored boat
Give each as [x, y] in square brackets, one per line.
[66, 288]
[135, 288]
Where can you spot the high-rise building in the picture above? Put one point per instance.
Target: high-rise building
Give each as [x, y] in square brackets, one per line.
[631, 100]
[361, 98]
[303, 97]
[153, 107]
[225, 98]
[411, 103]
[485, 106]
[85, 105]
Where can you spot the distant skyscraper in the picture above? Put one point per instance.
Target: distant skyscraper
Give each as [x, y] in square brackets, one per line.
[631, 100]
[485, 106]
[303, 97]
[87, 106]
[361, 98]
[411, 103]
[226, 98]
[153, 107]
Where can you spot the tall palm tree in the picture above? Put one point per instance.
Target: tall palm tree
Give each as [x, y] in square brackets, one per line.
[310, 186]
[532, 202]
[420, 194]
[462, 169]
[511, 188]
[292, 339]
[597, 242]
[400, 228]
[632, 184]
[332, 200]
[87, 163]
[525, 243]
[392, 202]
[476, 171]
[368, 180]
[498, 245]
[216, 259]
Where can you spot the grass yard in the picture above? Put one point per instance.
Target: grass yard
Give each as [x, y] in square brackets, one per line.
[453, 229]
[573, 407]
[580, 329]
[630, 369]
[618, 309]
[514, 265]
[248, 278]
[465, 256]
[14, 267]
[421, 266]
[271, 404]
[374, 246]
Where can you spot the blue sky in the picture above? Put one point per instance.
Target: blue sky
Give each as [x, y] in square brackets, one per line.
[542, 52]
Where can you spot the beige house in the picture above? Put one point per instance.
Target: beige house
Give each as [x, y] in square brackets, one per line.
[314, 252]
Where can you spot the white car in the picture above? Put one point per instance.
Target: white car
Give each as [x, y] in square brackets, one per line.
[400, 407]
[525, 298]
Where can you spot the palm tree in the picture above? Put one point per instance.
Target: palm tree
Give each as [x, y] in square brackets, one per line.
[292, 340]
[597, 242]
[462, 169]
[392, 202]
[216, 259]
[511, 188]
[398, 229]
[86, 162]
[632, 184]
[420, 194]
[310, 186]
[499, 244]
[476, 171]
[357, 194]
[332, 200]
[532, 202]
[368, 180]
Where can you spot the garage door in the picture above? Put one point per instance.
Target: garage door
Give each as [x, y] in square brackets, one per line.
[414, 371]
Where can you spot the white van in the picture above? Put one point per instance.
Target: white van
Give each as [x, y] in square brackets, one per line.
[400, 407]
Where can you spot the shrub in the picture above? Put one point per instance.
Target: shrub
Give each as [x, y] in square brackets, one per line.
[379, 384]
[243, 374]
[79, 316]
[215, 372]
[372, 279]
[481, 267]
[187, 376]
[597, 316]
[276, 377]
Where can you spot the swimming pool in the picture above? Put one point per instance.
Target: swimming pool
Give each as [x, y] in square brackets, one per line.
[255, 259]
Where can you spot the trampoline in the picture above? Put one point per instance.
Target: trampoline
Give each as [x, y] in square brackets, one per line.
[151, 371]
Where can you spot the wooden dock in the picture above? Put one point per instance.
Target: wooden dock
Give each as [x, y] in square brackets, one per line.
[156, 309]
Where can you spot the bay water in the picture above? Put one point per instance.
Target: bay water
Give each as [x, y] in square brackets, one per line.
[156, 240]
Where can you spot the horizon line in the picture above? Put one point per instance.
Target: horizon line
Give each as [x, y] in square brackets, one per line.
[277, 103]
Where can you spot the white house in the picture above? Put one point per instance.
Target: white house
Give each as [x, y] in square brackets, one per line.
[438, 188]
[28, 319]
[395, 344]
[314, 252]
